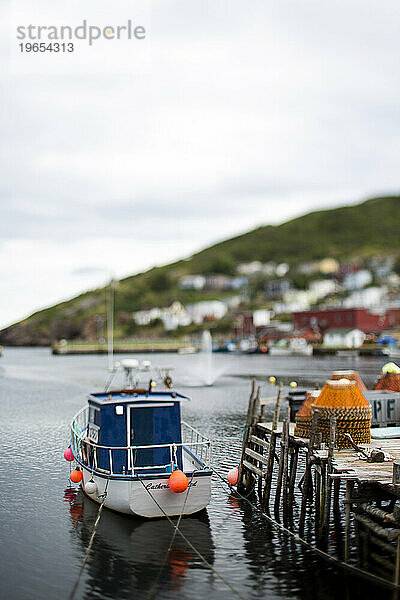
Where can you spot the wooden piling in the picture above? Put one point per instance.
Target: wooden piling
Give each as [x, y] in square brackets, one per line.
[307, 473]
[293, 472]
[328, 491]
[336, 495]
[349, 490]
[397, 564]
[271, 452]
[317, 484]
[282, 460]
[249, 416]
[285, 475]
[269, 471]
[277, 407]
[248, 482]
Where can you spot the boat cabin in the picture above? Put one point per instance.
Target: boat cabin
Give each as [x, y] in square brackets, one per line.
[143, 423]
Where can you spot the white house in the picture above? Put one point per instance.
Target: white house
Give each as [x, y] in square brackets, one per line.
[233, 301]
[172, 316]
[262, 317]
[251, 268]
[145, 317]
[357, 280]
[367, 298]
[322, 288]
[282, 269]
[192, 282]
[207, 309]
[299, 298]
[344, 338]
[175, 316]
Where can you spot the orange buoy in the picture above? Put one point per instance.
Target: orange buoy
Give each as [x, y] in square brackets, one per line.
[178, 482]
[233, 475]
[76, 475]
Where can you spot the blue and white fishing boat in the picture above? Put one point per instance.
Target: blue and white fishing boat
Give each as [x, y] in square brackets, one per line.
[135, 453]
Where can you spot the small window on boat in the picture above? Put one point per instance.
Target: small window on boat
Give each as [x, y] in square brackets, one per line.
[92, 414]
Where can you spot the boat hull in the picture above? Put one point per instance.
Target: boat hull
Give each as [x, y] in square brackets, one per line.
[150, 497]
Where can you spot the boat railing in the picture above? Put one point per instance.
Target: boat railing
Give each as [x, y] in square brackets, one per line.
[91, 454]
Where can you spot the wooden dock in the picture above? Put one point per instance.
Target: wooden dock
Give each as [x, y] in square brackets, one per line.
[298, 479]
[347, 462]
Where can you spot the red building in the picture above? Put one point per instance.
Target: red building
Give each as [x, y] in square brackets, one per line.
[337, 318]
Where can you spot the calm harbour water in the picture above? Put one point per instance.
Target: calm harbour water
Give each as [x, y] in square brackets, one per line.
[45, 523]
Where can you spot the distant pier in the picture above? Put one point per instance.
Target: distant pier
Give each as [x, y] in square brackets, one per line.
[128, 347]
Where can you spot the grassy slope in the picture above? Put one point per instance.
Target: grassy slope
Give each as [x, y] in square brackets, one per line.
[362, 230]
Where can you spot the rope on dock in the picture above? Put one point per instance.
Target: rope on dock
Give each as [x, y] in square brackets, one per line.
[189, 543]
[96, 523]
[325, 555]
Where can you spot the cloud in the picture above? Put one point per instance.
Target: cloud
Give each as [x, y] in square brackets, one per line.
[227, 116]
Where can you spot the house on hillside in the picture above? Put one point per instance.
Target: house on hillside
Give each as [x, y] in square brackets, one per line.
[367, 298]
[320, 288]
[294, 300]
[277, 288]
[218, 282]
[145, 317]
[251, 323]
[282, 269]
[357, 280]
[207, 310]
[344, 338]
[382, 267]
[327, 266]
[192, 282]
[237, 283]
[175, 316]
[249, 269]
[172, 316]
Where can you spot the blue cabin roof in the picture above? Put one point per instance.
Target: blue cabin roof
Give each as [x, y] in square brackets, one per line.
[118, 397]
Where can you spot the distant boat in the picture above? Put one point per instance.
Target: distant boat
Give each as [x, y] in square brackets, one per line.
[392, 351]
[296, 347]
[350, 353]
[224, 347]
[248, 346]
[187, 350]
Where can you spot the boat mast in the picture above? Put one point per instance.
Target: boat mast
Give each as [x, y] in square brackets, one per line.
[110, 324]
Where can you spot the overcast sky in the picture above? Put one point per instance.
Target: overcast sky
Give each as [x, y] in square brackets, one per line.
[230, 114]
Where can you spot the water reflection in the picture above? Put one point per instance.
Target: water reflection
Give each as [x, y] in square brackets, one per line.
[298, 572]
[130, 556]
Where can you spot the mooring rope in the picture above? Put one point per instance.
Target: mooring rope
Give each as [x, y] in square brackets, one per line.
[189, 543]
[325, 555]
[154, 586]
[96, 523]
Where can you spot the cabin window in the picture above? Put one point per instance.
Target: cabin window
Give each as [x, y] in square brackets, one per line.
[92, 413]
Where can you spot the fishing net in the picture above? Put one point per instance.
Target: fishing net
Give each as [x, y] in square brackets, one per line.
[351, 376]
[343, 400]
[388, 381]
[304, 415]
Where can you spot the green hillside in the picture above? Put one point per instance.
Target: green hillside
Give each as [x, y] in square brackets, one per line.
[362, 230]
